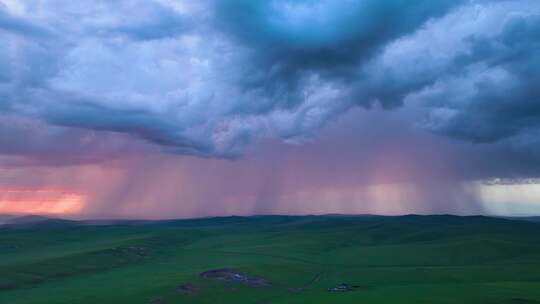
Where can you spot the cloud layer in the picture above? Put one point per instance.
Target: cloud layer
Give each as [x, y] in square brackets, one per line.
[208, 78]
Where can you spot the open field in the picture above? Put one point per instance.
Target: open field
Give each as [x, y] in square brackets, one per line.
[409, 259]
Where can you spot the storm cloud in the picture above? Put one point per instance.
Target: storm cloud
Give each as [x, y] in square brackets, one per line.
[208, 78]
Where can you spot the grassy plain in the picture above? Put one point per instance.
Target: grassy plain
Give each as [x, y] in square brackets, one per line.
[408, 259]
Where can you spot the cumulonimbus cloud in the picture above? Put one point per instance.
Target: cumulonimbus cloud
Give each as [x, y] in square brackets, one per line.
[209, 77]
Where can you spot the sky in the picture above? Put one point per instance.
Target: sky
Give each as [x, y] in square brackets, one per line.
[179, 108]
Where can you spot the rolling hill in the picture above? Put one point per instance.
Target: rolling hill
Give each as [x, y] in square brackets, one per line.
[304, 259]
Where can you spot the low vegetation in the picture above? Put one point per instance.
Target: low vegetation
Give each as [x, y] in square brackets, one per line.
[273, 259]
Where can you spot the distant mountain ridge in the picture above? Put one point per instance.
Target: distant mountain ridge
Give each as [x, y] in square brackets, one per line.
[33, 220]
[41, 220]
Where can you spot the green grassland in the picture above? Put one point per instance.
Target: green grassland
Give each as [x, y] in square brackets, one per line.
[409, 259]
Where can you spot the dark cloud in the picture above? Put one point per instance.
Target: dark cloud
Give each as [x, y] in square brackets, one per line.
[503, 82]
[324, 34]
[211, 77]
[154, 21]
[292, 40]
[26, 142]
[20, 26]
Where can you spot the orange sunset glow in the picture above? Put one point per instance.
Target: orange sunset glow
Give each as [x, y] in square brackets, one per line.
[40, 201]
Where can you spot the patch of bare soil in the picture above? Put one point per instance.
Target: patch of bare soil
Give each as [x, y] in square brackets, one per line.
[235, 276]
[344, 287]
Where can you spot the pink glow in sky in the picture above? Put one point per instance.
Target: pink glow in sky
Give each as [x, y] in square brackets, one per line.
[41, 201]
[161, 108]
[378, 174]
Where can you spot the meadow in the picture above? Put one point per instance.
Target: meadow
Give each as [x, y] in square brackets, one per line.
[406, 259]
